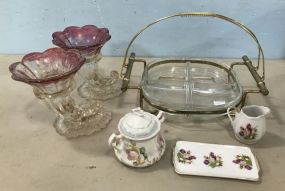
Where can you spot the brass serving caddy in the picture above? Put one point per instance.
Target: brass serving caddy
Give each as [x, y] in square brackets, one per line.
[188, 67]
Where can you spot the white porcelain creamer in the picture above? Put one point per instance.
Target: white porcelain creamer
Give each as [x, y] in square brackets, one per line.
[249, 123]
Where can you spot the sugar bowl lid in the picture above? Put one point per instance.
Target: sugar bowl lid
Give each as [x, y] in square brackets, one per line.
[139, 125]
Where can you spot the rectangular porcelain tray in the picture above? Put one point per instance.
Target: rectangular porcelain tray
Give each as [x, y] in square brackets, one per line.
[195, 164]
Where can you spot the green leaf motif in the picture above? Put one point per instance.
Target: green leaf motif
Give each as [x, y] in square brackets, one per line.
[185, 156]
[243, 161]
[247, 160]
[142, 150]
[179, 155]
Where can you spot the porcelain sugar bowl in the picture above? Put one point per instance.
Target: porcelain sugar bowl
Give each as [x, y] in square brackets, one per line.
[139, 143]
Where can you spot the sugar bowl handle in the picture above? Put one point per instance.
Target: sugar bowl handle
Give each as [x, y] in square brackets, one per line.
[160, 116]
[112, 141]
[138, 111]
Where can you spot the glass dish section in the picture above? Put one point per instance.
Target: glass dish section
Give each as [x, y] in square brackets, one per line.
[190, 85]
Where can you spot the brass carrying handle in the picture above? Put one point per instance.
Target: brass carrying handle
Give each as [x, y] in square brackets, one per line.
[200, 14]
[127, 76]
[259, 81]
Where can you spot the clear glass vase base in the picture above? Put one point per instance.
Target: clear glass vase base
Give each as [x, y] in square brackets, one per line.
[87, 126]
[101, 87]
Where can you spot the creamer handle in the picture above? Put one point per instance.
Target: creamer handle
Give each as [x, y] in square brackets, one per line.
[267, 110]
[229, 114]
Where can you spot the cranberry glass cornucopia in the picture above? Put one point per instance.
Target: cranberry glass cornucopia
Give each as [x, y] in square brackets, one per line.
[51, 74]
[89, 40]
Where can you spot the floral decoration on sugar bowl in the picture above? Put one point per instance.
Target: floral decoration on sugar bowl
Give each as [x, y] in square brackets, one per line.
[213, 160]
[160, 143]
[137, 155]
[140, 155]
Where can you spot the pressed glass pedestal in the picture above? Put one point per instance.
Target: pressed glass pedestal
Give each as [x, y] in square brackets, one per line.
[51, 74]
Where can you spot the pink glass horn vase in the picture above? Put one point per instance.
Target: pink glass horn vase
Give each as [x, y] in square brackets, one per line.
[89, 40]
[51, 75]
